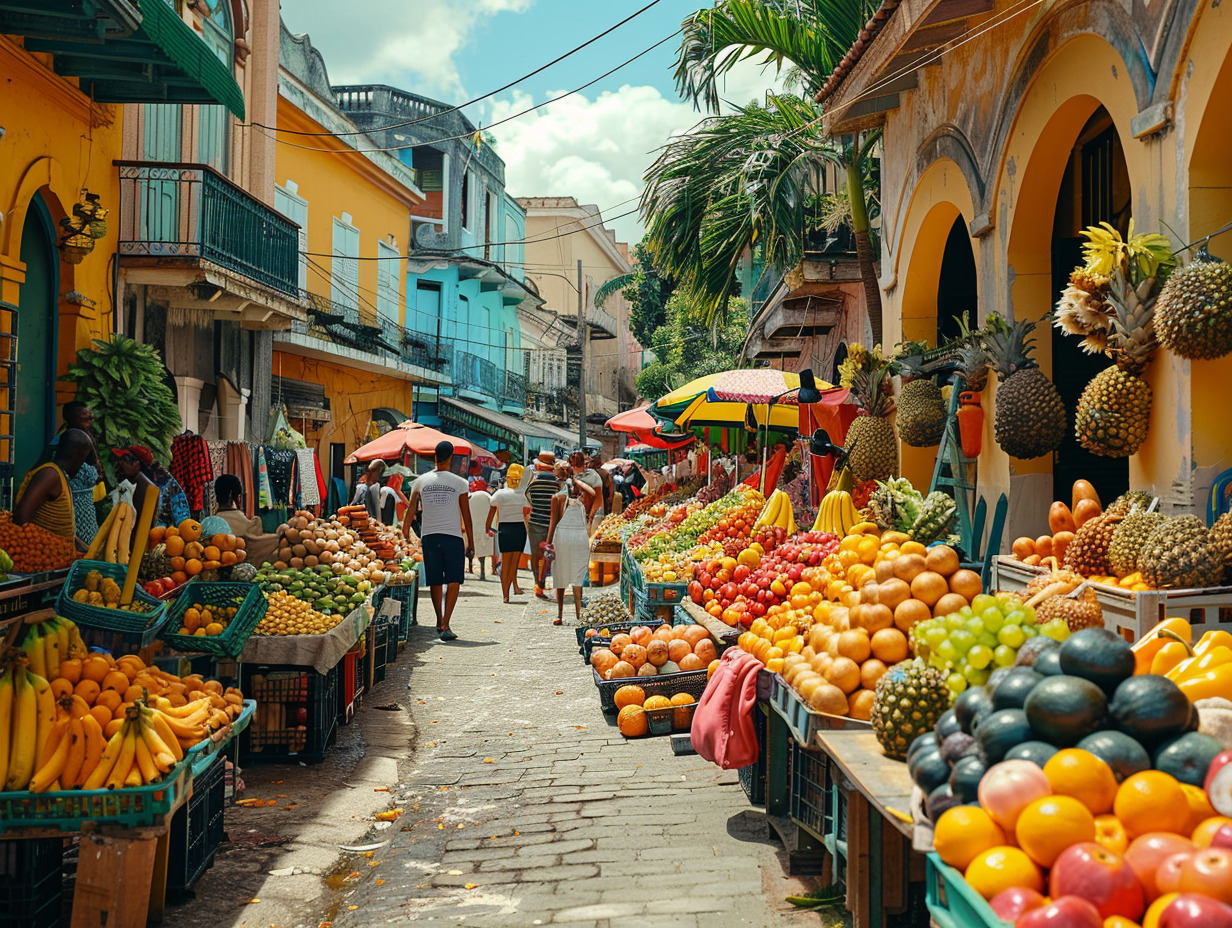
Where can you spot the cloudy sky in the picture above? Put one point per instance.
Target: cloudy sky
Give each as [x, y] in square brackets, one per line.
[593, 145]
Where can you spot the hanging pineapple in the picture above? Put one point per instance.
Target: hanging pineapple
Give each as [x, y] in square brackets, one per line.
[1194, 310]
[1030, 418]
[1117, 319]
[871, 443]
[921, 407]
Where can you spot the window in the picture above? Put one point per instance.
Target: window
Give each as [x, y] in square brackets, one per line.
[489, 229]
[466, 201]
[387, 289]
[215, 122]
[344, 270]
[288, 202]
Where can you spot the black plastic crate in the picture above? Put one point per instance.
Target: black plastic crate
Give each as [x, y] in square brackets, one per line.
[391, 645]
[753, 777]
[197, 829]
[809, 801]
[384, 633]
[30, 875]
[277, 733]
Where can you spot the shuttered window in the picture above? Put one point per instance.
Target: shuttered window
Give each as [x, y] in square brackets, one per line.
[344, 274]
[388, 293]
[295, 208]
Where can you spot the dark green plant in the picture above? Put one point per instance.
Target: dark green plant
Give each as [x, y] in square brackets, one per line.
[122, 381]
[686, 348]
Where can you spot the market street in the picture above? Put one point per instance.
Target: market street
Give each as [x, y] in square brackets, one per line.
[515, 786]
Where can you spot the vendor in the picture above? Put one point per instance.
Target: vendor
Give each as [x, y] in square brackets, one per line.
[44, 497]
[230, 494]
[136, 465]
[370, 494]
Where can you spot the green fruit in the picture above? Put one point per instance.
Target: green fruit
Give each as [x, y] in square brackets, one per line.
[1065, 709]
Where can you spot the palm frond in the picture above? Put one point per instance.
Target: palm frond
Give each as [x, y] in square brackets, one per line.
[614, 286]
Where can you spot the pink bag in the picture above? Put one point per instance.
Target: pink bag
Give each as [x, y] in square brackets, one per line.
[722, 729]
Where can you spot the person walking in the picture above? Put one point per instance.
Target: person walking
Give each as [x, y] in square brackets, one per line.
[510, 510]
[446, 514]
[590, 486]
[480, 502]
[543, 486]
[569, 541]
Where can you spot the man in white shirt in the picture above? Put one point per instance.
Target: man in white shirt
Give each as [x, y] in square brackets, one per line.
[446, 511]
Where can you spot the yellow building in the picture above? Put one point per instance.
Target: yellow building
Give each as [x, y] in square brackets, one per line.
[352, 363]
[1009, 129]
[65, 69]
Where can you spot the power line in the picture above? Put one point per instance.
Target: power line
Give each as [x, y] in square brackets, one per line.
[461, 106]
[470, 135]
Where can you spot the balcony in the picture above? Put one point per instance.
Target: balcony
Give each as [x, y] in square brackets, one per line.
[477, 375]
[204, 244]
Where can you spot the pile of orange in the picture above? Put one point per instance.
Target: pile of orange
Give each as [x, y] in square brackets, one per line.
[633, 705]
[207, 621]
[189, 555]
[647, 652]
[34, 549]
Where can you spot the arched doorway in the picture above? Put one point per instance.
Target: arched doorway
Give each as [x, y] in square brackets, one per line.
[1094, 188]
[36, 340]
[957, 285]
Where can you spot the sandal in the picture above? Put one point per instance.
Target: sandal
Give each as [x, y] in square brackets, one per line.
[558, 621]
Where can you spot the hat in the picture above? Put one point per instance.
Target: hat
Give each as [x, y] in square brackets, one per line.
[141, 454]
[545, 461]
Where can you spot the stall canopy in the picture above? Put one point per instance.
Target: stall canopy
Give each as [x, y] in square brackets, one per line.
[518, 434]
[731, 398]
[645, 428]
[408, 436]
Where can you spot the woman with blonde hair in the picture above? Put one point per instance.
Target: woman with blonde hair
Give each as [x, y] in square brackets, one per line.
[510, 509]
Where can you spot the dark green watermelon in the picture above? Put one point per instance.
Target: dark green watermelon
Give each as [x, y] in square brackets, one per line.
[965, 778]
[1187, 757]
[1037, 752]
[925, 740]
[1033, 648]
[931, 770]
[1012, 692]
[1048, 664]
[1063, 710]
[1098, 655]
[970, 705]
[946, 725]
[1119, 751]
[1001, 731]
[1149, 708]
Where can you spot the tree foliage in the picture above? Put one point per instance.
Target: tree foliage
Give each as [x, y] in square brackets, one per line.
[647, 290]
[686, 347]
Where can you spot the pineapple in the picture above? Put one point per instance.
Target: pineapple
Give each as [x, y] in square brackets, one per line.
[871, 443]
[972, 363]
[1087, 554]
[1221, 536]
[1194, 311]
[1128, 539]
[921, 406]
[1030, 419]
[908, 700]
[1081, 612]
[1180, 554]
[1130, 501]
[1114, 410]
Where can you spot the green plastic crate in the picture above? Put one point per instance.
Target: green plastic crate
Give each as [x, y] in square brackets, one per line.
[200, 755]
[129, 630]
[952, 903]
[252, 605]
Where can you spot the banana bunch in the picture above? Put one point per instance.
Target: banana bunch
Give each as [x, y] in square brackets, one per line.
[27, 717]
[777, 513]
[114, 537]
[49, 642]
[837, 514]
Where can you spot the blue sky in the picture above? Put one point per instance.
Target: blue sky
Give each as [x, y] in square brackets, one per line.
[594, 145]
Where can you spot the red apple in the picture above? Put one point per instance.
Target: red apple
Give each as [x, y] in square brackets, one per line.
[1101, 877]
[1208, 871]
[1168, 874]
[1148, 851]
[1065, 912]
[1193, 910]
[1009, 787]
[1011, 903]
[1222, 837]
[1219, 783]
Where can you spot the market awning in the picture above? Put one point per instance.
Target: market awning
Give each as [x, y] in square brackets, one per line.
[408, 436]
[497, 425]
[123, 51]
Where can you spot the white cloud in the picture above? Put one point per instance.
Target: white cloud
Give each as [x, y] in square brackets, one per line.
[597, 148]
[416, 46]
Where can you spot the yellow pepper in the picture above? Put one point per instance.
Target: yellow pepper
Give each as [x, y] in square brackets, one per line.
[1169, 656]
[1209, 677]
[1153, 641]
[1208, 643]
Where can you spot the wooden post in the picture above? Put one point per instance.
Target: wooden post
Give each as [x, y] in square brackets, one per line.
[114, 873]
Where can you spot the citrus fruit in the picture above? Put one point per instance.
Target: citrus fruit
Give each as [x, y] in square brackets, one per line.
[1200, 808]
[682, 717]
[631, 721]
[657, 702]
[1049, 825]
[1151, 801]
[1087, 778]
[1156, 908]
[964, 832]
[1002, 868]
[629, 696]
[1110, 834]
[1203, 834]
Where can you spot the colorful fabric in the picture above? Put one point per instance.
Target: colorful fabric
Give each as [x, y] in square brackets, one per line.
[240, 463]
[322, 486]
[173, 505]
[265, 492]
[84, 515]
[539, 493]
[306, 469]
[280, 465]
[190, 466]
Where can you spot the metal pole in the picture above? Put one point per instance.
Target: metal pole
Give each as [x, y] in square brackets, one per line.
[582, 372]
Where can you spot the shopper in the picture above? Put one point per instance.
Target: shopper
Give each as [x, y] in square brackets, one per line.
[611, 500]
[590, 487]
[480, 502]
[370, 494]
[569, 542]
[89, 486]
[44, 497]
[258, 544]
[446, 514]
[543, 486]
[510, 511]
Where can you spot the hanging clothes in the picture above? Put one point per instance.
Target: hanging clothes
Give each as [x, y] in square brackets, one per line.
[239, 462]
[173, 505]
[190, 466]
[322, 486]
[306, 470]
[84, 514]
[281, 467]
[265, 493]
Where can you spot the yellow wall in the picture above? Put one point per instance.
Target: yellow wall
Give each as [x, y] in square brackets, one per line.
[55, 143]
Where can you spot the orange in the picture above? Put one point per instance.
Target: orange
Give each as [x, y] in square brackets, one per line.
[964, 832]
[95, 667]
[214, 629]
[190, 529]
[179, 577]
[1200, 808]
[631, 721]
[1151, 801]
[1002, 868]
[1110, 834]
[175, 545]
[102, 715]
[87, 690]
[61, 687]
[194, 549]
[116, 680]
[1156, 909]
[228, 558]
[192, 567]
[682, 718]
[157, 533]
[1051, 824]
[1082, 775]
[212, 553]
[112, 727]
[177, 563]
[192, 619]
[70, 670]
[629, 696]
[711, 668]
[1203, 834]
[109, 700]
[657, 702]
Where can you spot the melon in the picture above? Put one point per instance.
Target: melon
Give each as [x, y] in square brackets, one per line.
[999, 732]
[1098, 655]
[1037, 752]
[1188, 757]
[1150, 709]
[1063, 710]
[1012, 692]
[965, 778]
[1119, 751]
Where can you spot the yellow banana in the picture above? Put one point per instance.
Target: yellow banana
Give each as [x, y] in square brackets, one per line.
[24, 732]
[865, 528]
[51, 771]
[159, 752]
[124, 763]
[36, 654]
[104, 530]
[53, 741]
[819, 523]
[6, 721]
[66, 638]
[829, 524]
[787, 517]
[145, 763]
[76, 752]
[77, 644]
[96, 742]
[133, 778]
[106, 762]
[53, 655]
[47, 715]
[158, 722]
[769, 511]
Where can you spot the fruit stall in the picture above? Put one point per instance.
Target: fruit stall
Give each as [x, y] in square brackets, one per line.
[135, 680]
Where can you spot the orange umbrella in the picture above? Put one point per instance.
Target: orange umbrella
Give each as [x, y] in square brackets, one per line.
[645, 428]
[409, 436]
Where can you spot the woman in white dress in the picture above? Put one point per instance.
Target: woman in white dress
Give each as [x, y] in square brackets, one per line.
[481, 505]
[568, 538]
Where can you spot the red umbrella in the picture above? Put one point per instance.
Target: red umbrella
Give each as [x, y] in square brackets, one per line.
[645, 428]
[409, 436]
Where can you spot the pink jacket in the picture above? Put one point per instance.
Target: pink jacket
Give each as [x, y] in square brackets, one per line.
[722, 729]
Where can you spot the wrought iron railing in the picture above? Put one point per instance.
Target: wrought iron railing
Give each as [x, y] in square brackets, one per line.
[472, 372]
[192, 211]
[347, 326]
[515, 389]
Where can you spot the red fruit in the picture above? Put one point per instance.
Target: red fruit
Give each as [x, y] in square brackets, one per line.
[1219, 783]
[741, 573]
[1148, 851]
[1011, 903]
[1168, 874]
[1065, 912]
[1101, 877]
[1209, 872]
[1222, 837]
[1191, 910]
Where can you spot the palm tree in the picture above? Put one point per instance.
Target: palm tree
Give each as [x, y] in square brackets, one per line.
[744, 178]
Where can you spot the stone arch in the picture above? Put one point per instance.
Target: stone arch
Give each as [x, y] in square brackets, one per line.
[950, 142]
[44, 177]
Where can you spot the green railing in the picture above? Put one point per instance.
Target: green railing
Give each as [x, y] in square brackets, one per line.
[192, 211]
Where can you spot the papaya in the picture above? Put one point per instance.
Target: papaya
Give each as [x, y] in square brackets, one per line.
[1086, 509]
[1060, 518]
[1060, 542]
[1083, 490]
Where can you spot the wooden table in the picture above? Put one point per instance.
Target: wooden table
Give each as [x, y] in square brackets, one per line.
[880, 861]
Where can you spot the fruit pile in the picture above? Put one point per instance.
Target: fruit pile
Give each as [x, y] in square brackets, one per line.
[84, 720]
[288, 615]
[327, 589]
[632, 704]
[727, 519]
[605, 608]
[180, 553]
[647, 652]
[208, 621]
[306, 542]
[1091, 780]
[33, 549]
[104, 593]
